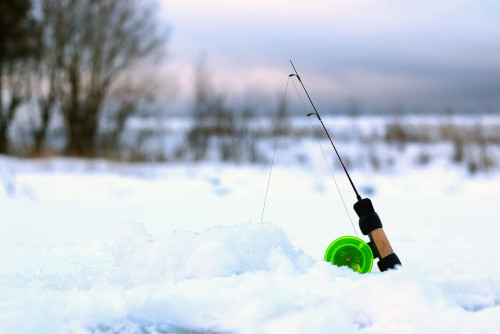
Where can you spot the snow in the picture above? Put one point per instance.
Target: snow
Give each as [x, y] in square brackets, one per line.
[102, 247]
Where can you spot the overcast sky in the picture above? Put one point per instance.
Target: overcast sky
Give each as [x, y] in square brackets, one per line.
[417, 54]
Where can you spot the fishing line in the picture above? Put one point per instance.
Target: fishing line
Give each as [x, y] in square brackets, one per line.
[326, 131]
[274, 151]
[324, 155]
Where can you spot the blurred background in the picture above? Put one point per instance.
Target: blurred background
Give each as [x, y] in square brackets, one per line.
[189, 81]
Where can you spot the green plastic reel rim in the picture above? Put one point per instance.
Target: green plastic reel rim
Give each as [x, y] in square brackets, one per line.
[351, 252]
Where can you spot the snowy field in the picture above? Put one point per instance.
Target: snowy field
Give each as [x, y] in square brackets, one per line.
[101, 247]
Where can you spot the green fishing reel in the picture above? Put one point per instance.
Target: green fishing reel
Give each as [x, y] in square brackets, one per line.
[351, 252]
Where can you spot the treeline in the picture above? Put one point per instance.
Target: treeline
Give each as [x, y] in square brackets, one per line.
[230, 132]
[71, 62]
[72, 78]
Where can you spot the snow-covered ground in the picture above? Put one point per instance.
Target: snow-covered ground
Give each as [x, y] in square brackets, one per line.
[101, 247]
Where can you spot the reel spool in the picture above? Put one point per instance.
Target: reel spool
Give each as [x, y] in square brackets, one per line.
[351, 252]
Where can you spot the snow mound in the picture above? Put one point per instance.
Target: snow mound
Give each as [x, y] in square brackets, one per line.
[216, 252]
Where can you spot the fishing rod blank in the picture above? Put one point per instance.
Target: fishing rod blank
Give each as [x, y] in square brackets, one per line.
[326, 131]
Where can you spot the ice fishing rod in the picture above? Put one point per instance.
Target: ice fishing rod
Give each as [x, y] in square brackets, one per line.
[326, 131]
[353, 251]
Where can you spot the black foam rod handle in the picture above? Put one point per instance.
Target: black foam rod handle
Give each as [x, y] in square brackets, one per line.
[363, 207]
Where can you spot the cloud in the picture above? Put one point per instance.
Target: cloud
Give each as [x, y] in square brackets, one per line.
[426, 52]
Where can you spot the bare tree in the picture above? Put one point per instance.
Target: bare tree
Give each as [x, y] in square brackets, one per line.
[94, 42]
[131, 96]
[219, 129]
[205, 103]
[47, 81]
[18, 43]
